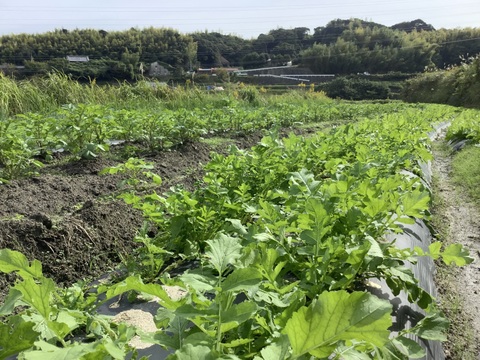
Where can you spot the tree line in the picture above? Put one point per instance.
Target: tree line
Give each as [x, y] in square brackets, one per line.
[340, 47]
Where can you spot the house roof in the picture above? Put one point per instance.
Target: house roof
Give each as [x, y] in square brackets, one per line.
[78, 58]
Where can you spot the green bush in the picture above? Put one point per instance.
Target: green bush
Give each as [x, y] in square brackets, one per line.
[356, 89]
[458, 86]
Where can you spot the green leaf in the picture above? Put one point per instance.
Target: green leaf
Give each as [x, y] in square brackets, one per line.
[277, 350]
[415, 203]
[199, 282]
[408, 347]
[432, 327]
[237, 342]
[136, 284]
[10, 301]
[242, 280]
[237, 314]
[189, 311]
[375, 250]
[238, 226]
[59, 329]
[336, 316]
[16, 335]
[51, 352]
[37, 294]
[434, 250]
[157, 180]
[113, 349]
[456, 253]
[305, 180]
[11, 260]
[268, 262]
[375, 206]
[350, 353]
[191, 352]
[224, 250]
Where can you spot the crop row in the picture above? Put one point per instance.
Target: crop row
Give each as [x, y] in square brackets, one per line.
[85, 131]
[278, 244]
[466, 126]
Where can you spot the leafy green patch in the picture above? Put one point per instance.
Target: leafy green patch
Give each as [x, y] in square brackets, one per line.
[466, 172]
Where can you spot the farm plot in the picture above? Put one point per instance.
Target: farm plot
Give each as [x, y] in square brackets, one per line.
[275, 245]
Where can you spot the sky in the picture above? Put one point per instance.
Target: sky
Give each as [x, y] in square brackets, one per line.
[246, 18]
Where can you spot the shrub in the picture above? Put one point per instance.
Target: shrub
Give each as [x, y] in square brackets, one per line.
[356, 89]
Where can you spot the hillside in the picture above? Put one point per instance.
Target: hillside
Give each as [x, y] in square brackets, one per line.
[340, 47]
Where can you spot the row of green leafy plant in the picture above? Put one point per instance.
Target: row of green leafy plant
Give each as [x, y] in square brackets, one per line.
[279, 243]
[466, 126]
[28, 140]
[294, 228]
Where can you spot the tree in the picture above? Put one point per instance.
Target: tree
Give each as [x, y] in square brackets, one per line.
[192, 49]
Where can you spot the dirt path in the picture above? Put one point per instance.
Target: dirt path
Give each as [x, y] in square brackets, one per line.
[462, 226]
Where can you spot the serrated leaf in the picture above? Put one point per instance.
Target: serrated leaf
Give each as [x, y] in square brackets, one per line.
[16, 335]
[456, 253]
[242, 280]
[224, 250]
[415, 203]
[337, 316]
[37, 295]
[11, 260]
[434, 250]
[375, 206]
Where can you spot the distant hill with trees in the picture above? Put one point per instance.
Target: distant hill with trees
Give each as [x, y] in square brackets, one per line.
[340, 47]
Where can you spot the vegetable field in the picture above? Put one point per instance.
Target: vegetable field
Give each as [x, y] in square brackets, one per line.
[270, 214]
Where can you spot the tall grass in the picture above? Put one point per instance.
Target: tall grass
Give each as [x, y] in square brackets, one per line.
[47, 93]
[56, 89]
[41, 94]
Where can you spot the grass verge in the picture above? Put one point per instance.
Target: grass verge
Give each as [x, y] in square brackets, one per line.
[461, 343]
[466, 172]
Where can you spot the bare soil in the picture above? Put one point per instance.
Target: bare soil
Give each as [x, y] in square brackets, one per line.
[462, 226]
[67, 218]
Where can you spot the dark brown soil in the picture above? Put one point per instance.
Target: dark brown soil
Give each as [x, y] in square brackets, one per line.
[67, 218]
